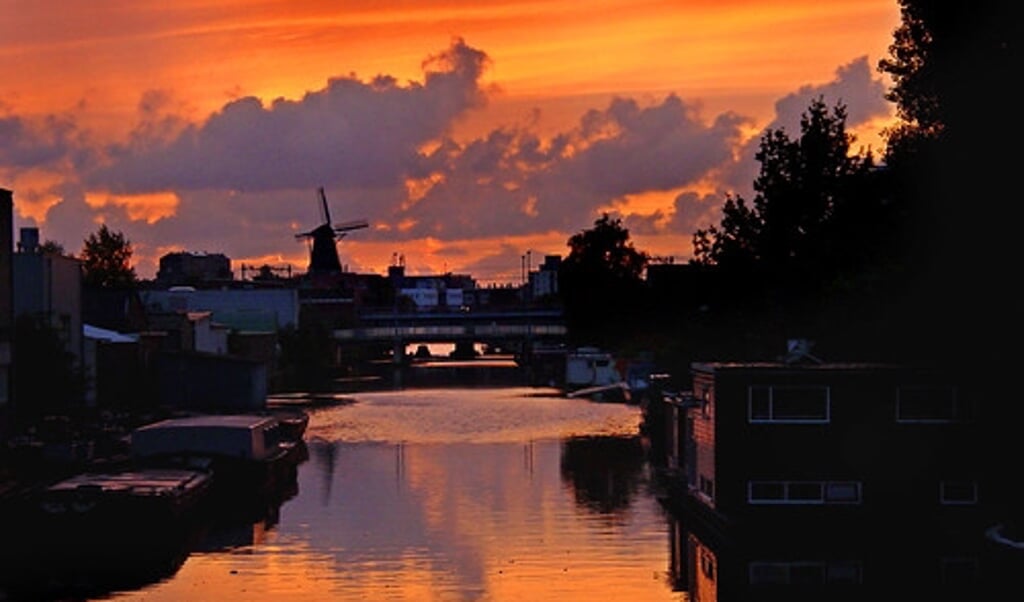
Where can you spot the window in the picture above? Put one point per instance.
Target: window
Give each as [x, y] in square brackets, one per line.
[766, 492]
[803, 492]
[844, 491]
[958, 493]
[959, 571]
[809, 492]
[707, 486]
[807, 572]
[707, 564]
[773, 403]
[931, 404]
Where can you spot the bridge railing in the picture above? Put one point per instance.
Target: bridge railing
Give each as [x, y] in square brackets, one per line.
[448, 332]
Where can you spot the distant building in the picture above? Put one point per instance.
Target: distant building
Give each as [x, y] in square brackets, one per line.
[49, 286]
[190, 331]
[47, 328]
[114, 371]
[544, 281]
[440, 292]
[193, 269]
[251, 310]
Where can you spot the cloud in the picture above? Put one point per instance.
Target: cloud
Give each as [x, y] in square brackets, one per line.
[511, 182]
[47, 142]
[853, 86]
[361, 134]
[245, 177]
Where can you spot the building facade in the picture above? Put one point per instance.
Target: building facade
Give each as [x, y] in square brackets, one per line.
[766, 440]
[831, 480]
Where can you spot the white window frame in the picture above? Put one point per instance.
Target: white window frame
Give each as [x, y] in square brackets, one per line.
[707, 565]
[955, 413]
[789, 497]
[773, 419]
[946, 500]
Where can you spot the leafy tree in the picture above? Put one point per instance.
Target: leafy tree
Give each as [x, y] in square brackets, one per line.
[106, 260]
[941, 56]
[50, 247]
[810, 214]
[601, 282]
[955, 67]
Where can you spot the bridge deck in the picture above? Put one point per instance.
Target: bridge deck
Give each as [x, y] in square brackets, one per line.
[455, 326]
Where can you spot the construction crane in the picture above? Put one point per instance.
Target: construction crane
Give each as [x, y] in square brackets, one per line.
[323, 253]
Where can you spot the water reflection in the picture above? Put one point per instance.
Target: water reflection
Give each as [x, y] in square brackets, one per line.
[791, 562]
[39, 563]
[457, 495]
[88, 573]
[605, 472]
[466, 520]
[43, 559]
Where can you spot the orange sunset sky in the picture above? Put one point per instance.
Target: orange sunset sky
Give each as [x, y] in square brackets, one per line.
[466, 133]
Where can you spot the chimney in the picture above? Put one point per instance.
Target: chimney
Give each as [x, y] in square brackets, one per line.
[29, 240]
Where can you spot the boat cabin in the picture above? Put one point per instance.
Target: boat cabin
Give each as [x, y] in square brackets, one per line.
[239, 436]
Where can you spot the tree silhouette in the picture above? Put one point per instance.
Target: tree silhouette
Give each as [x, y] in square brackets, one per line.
[106, 260]
[601, 282]
[815, 223]
[954, 68]
[954, 180]
[50, 247]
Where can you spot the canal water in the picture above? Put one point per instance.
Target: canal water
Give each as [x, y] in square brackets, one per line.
[483, 494]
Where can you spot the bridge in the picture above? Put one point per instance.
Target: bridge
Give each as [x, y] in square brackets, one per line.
[507, 326]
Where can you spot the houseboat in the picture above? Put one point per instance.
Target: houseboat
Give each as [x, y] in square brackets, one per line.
[245, 452]
[93, 534]
[766, 439]
[151, 495]
[594, 374]
[810, 452]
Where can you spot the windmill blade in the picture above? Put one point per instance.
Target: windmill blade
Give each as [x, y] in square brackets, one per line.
[325, 212]
[355, 224]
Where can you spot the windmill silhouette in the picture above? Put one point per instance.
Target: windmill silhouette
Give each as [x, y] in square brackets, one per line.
[323, 252]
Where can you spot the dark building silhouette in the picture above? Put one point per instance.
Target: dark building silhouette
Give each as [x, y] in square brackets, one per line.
[191, 269]
[839, 479]
[6, 296]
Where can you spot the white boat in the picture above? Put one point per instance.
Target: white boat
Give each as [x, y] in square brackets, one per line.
[594, 374]
[590, 367]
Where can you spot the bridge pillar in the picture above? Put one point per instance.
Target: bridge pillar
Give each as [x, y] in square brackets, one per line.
[464, 350]
[397, 363]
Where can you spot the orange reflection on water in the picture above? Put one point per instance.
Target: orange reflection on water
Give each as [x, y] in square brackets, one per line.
[462, 510]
